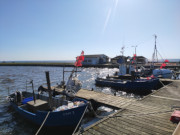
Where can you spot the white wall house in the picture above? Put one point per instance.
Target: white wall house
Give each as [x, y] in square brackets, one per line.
[95, 59]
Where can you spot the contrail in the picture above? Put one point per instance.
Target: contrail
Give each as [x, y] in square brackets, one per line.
[116, 2]
[114, 6]
[107, 20]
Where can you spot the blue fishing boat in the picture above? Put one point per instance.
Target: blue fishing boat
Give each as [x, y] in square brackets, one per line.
[62, 113]
[129, 79]
[59, 109]
[141, 86]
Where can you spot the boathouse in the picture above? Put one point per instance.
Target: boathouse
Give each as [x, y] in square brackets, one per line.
[95, 59]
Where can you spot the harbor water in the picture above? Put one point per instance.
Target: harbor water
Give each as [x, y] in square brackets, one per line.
[14, 78]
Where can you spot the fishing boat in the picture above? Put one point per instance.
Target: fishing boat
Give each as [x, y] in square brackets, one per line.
[140, 86]
[129, 79]
[163, 73]
[160, 72]
[132, 82]
[62, 113]
[60, 110]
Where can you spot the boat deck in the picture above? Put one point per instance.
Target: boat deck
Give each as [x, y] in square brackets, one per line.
[150, 115]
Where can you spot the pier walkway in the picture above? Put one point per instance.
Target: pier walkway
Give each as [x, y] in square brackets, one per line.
[106, 99]
[148, 116]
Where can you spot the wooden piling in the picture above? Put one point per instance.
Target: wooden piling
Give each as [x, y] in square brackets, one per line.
[49, 88]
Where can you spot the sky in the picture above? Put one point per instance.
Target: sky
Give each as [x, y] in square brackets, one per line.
[61, 29]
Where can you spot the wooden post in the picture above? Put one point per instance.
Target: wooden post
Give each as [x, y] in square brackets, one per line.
[76, 72]
[34, 97]
[49, 88]
[26, 85]
[63, 74]
[8, 91]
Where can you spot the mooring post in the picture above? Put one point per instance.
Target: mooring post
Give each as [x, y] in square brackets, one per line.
[63, 74]
[34, 96]
[8, 91]
[49, 88]
[26, 85]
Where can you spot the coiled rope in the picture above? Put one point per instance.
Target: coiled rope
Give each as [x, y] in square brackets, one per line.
[42, 123]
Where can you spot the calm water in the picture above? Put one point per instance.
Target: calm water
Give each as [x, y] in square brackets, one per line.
[14, 78]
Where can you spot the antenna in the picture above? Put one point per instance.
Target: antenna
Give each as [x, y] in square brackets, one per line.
[122, 50]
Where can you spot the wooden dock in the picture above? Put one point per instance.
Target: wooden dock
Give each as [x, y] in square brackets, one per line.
[110, 100]
[148, 116]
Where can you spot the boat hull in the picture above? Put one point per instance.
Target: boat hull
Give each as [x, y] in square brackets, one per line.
[164, 73]
[140, 86]
[67, 118]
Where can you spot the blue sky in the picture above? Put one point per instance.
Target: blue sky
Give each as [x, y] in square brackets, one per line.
[61, 29]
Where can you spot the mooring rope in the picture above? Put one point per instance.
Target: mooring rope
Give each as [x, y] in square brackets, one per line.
[80, 120]
[42, 123]
[91, 107]
[161, 82]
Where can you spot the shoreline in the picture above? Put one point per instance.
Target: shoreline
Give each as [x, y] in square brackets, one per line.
[59, 65]
[173, 65]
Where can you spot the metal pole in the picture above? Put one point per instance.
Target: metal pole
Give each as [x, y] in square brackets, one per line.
[49, 88]
[155, 52]
[135, 56]
[156, 47]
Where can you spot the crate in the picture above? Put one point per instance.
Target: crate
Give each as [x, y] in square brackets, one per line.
[40, 105]
[175, 116]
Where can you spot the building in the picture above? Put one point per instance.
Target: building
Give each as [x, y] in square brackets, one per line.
[119, 59]
[141, 60]
[95, 59]
[124, 59]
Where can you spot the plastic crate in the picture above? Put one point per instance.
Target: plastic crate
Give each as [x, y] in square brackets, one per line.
[175, 116]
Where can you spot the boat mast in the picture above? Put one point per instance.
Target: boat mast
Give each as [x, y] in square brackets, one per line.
[135, 48]
[155, 52]
[135, 56]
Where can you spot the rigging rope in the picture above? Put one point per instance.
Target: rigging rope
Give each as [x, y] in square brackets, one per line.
[160, 55]
[80, 120]
[162, 83]
[42, 123]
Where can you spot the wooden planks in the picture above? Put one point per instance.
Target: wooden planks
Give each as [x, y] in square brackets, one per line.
[103, 98]
[130, 120]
